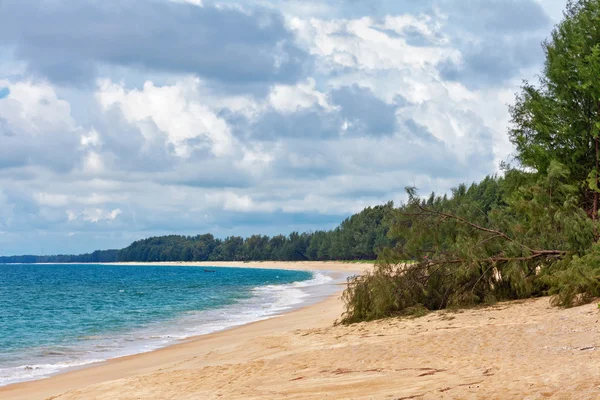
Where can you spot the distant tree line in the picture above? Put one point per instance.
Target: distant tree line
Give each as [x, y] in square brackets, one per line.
[95, 257]
[359, 237]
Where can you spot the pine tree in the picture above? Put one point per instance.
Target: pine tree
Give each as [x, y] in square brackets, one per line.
[530, 233]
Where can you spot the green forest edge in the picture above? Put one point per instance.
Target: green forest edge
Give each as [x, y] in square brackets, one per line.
[531, 232]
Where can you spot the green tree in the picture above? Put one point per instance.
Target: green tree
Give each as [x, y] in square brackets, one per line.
[560, 118]
[466, 255]
[530, 233]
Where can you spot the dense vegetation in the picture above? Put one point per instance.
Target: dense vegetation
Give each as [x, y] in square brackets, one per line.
[95, 257]
[359, 237]
[533, 231]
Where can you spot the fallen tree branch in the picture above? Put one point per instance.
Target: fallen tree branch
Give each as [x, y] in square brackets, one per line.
[536, 254]
[471, 224]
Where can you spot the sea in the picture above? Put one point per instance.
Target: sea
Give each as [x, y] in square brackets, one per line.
[55, 317]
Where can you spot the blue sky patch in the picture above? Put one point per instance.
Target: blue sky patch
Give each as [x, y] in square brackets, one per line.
[4, 92]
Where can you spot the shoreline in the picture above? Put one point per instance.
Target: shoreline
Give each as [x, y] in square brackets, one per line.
[131, 365]
[339, 266]
[511, 350]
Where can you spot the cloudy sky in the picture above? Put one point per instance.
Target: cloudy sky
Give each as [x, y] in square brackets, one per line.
[122, 119]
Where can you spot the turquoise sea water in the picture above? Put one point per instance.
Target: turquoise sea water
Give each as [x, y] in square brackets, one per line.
[54, 317]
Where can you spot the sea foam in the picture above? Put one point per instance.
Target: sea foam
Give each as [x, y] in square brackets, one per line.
[265, 302]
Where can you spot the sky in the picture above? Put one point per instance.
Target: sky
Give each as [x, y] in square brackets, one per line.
[123, 119]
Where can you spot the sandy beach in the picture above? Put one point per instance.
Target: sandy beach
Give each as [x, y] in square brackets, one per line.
[521, 350]
[291, 265]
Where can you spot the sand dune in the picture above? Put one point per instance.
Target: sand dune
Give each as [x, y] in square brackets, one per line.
[521, 350]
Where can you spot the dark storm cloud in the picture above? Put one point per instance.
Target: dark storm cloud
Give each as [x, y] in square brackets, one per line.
[66, 41]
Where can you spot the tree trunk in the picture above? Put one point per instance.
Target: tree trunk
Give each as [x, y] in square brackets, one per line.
[595, 211]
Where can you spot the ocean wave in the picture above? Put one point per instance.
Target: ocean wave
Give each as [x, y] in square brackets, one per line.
[266, 302]
[30, 372]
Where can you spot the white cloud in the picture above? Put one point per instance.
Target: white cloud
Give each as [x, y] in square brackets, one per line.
[93, 163]
[94, 215]
[51, 199]
[62, 199]
[391, 67]
[289, 99]
[302, 8]
[230, 201]
[91, 139]
[363, 43]
[323, 205]
[34, 109]
[377, 55]
[176, 110]
[194, 2]
[427, 25]
[554, 8]
[255, 160]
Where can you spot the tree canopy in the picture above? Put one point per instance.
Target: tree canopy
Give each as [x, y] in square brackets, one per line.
[531, 232]
[558, 120]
